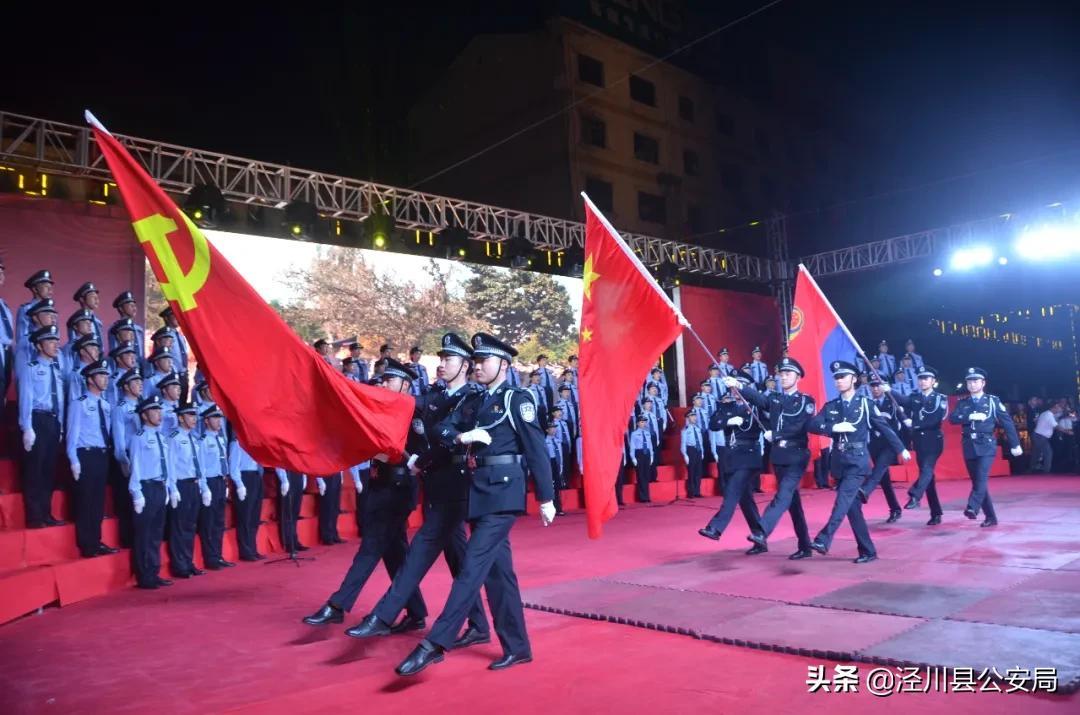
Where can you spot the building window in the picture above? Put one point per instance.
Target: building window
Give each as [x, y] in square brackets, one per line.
[590, 70]
[686, 108]
[732, 178]
[651, 208]
[646, 148]
[593, 131]
[725, 124]
[601, 194]
[691, 163]
[642, 90]
[764, 145]
[695, 220]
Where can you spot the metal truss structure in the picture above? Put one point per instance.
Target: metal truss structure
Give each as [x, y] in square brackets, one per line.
[70, 149]
[782, 287]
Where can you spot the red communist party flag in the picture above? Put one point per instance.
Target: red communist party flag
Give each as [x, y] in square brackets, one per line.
[626, 321]
[289, 407]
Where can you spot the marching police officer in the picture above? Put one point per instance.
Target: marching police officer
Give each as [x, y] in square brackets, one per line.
[89, 300]
[882, 452]
[214, 458]
[978, 414]
[40, 285]
[391, 496]
[503, 429]
[848, 419]
[446, 494]
[247, 475]
[89, 442]
[149, 485]
[789, 413]
[692, 445]
[41, 414]
[188, 491]
[927, 409]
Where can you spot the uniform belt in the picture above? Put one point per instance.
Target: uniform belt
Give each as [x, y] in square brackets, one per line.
[487, 461]
[388, 471]
[95, 449]
[50, 413]
[791, 444]
[844, 446]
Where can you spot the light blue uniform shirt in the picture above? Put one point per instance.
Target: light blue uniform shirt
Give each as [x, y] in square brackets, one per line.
[214, 454]
[691, 437]
[88, 423]
[41, 387]
[148, 455]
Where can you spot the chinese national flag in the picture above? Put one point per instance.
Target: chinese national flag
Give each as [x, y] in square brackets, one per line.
[626, 321]
[289, 407]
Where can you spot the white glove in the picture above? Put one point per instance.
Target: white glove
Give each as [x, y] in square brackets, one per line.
[735, 421]
[226, 489]
[977, 416]
[321, 483]
[285, 487]
[174, 498]
[1016, 451]
[29, 436]
[768, 435]
[687, 460]
[635, 462]
[241, 492]
[138, 501]
[207, 497]
[381, 457]
[303, 483]
[476, 435]
[547, 513]
[731, 382]
[359, 485]
[411, 464]
[907, 423]
[905, 455]
[886, 387]
[843, 427]
[76, 470]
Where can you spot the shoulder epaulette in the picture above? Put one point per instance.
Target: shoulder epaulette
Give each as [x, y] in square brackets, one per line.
[139, 433]
[174, 433]
[82, 397]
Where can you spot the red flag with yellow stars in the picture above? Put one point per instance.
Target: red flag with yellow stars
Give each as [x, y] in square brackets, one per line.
[288, 406]
[626, 321]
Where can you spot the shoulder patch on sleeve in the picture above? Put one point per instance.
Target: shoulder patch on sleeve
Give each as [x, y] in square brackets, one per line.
[527, 411]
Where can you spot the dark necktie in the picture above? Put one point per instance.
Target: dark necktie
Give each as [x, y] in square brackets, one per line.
[8, 332]
[221, 455]
[195, 457]
[161, 453]
[105, 436]
[54, 368]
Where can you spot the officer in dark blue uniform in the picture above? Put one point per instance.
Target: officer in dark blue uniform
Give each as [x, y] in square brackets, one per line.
[742, 462]
[849, 419]
[390, 496]
[927, 409]
[503, 430]
[446, 495]
[882, 452]
[89, 441]
[978, 414]
[41, 416]
[789, 412]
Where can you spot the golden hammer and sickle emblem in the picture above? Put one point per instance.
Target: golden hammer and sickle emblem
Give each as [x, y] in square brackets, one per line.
[178, 286]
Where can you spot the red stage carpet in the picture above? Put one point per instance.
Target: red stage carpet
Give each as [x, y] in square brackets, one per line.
[232, 640]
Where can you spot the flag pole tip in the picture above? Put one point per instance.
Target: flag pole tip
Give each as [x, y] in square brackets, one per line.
[93, 121]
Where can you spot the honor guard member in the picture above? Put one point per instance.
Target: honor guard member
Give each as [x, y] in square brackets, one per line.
[848, 419]
[881, 450]
[7, 340]
[291, 486]
[41, 314]
[391, 497]
[641, 454]
[89, 442]
[358, 358]
[128, 309]
[329, 508]
[927, 409]
[214, 458]
[89, 299]
[503, 430]
[692, 446]
[125, 423]
[85, 351]
[161, 367]
[40, 285]
[80, 323]
[886, 360]
[123, 357]
[446, 494]
[916, 358]
[978, 414]
[247, 475]
[169, 392]
[742, 461]
[41, 414]
[422, 383]
[759, 371]
[322, 347]
[789, 412]
[150, 485]
[189, 491]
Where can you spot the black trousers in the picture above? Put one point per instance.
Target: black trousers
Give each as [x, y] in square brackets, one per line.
[737, 493]
[121, 499]
[443, 531]
[644, 474]
[694, 468]
[787, 498]
[849, 478]
[181, 527]
[925, 484]
[90, 498]
[979, 471]
[212, 521]
[382, 538]
[488, 563]
[821, 468]
[329, 509]
[620, 482]
[883, 459]
[149, 531]
[557, 492]
[249, 514]
[289, 512]
[39, 468]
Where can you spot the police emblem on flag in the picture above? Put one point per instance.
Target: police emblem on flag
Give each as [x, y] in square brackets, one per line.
[418, 426]
[528, 411]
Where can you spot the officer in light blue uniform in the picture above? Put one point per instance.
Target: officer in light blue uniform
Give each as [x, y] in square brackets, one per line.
[125, 423]
[900, 386]
[423, 383]
[7, 340]
[89, 299]
[41, 314]
[85, 351]
[169, 392]
[724, 366]
[539, 394]
[565, 440]
[641, 454]
[350, 368]
[757, 369]
[247, 475]
[214, 454]
[150, 485]
[547, 380]
[124, 331]
[291, 486]
[89, 440]
[128, 309]
[190, 490]
[179, 345]
[553, 445]
[360, 361]
[692, 446]
[40, 285]
[886, 360]
[123, 357]
[41, 416]
[916, 358]
[80, 323]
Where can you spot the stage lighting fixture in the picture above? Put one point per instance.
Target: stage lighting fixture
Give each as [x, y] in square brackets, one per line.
[520, 262]
[667, 274]
[205, 205]
[938, 272]
[300, 219]
[1049, 242]
[964, 259]
[456, 240]
[1003, 261]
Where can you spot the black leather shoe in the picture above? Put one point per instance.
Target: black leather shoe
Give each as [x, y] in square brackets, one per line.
[197, 571]
[989, 522]
[226, 564]
[758, 539]
[408, 623]
[969, 513]
[213, 566]
[863, 497]
[182, 574]
[260, 557]
[423, 655]
[560, 513]
[709, 533]
[301, 547]
[164, 582]
[934, 520]
[509, 661]
[865, 559]
[369, 627]
[105, 550]
[147, 586]
[894, 516]
[339, 540]
[35, 525]
[819, 547]
[472, 636]
[801, 554]
[49, 521]
[249, 558]
[326, 614]
[756, 549]
[912, 503]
